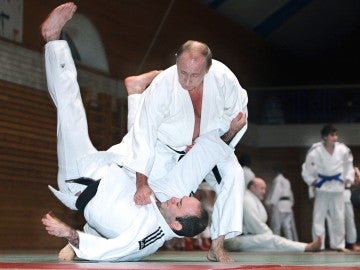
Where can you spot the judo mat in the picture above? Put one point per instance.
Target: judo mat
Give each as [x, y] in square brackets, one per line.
[165, 260]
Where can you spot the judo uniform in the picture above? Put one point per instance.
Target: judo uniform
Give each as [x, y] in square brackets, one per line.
[116, 229]
[350, 226]
[258, 236]
[164, 126]
[326, 173]
[281, 201]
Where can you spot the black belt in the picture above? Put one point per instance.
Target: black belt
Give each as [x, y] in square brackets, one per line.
[87, 194]
[215, 170]
[284, 198]
[217, 174]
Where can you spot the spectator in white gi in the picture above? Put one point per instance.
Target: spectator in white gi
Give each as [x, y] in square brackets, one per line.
[257, 236]
[328, 168]
[107, 205]
[196, 95]
[350, 226]
[355, 193]
[245, 162]
[280, 201]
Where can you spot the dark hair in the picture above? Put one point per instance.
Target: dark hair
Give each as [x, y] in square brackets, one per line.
[196, 46]
[328, 129]
[245, 160]
[193, 225]
[277, 168]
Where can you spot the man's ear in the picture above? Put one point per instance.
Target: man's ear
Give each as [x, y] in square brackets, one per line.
[176, 225]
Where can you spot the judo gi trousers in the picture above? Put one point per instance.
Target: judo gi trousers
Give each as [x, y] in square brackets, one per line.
[72, 143]
[264, 242]
[329, 205]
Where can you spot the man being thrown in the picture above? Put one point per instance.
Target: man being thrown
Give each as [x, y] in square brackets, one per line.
[116, 228]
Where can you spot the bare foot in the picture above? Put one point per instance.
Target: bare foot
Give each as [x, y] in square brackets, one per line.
[66, 253]
[356, 248]
[54, 23]
[217, 252]
[314, 246]
[138, 84]
[343, 250]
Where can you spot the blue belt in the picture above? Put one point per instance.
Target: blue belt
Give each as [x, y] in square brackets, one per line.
[325, 178]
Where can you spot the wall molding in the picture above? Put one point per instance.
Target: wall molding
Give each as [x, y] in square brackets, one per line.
[26, 67]
[296, 135]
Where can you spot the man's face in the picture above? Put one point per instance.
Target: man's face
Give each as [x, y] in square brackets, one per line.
[191, 70]
[259, 189]
[331, 138]
[175, 207]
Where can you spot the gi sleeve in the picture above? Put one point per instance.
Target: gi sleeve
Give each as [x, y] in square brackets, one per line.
[349, 172]
[308, 169]
[152, 111]
[236, 100]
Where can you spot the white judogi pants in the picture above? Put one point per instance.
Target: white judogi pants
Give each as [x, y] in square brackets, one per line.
[263, 242]
[61, 75]
[350, 226]
[329, 205]
[282, 223]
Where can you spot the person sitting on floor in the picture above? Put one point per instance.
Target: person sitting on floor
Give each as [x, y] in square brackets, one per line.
[257, 235]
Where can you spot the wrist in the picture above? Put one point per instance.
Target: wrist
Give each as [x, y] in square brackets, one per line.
[228, 136]
[141, 180]
[73, 238]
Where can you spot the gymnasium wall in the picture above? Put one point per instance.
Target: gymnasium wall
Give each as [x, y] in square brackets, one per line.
[28, 119]
[28, 160]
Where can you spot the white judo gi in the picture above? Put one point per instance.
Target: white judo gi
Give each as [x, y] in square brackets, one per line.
[257, 235]
[281, 201]
[327, 173]
[165, 124]
[116, 229]
[350, 226]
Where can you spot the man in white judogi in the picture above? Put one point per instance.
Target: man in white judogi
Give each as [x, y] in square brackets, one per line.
[328, 168]
[257, 235]
[350, 226]
[280, 201]
[194, 96]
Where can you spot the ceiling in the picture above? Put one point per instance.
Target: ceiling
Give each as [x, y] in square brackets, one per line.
[322, 36]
